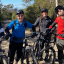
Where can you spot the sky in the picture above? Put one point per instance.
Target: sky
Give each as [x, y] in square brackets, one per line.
[16, 3]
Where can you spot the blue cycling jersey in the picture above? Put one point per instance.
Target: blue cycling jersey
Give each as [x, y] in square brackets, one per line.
[19, 30]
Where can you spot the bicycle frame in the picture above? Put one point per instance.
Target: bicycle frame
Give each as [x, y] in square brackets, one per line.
[28, 51]
[39, 52]
[3, 57]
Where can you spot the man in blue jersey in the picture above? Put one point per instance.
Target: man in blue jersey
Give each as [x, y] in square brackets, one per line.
[16, 41]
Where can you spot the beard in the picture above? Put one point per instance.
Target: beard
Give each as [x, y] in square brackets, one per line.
[20, 20]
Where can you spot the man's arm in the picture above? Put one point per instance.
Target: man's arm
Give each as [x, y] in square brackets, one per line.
[9, 26]
[7, 30]
[37, 22]
[29, 25]
[53, 24]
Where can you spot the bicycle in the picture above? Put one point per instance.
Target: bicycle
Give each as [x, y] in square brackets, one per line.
[38, 51]
[3, 57]
[28, 53]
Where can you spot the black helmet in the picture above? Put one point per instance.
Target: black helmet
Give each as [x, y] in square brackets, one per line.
[58, 8]
[19, 12]
[44, 10]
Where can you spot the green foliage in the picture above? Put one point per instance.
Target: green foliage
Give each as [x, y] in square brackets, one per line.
[49, 4]
[7, 11]
[31, 14]
[26, 0]
[61, 2]
[1, 17]
[14, 16]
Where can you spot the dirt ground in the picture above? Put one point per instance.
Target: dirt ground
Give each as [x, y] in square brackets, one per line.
[5, 44]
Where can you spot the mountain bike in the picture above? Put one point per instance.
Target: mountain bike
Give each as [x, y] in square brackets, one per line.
[48, 58]
[28, 56]
[3, 57]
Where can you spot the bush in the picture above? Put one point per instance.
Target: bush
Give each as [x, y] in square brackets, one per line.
[1, 17]
[14, 16]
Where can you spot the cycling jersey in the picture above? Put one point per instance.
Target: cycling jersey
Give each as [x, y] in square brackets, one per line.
[60, 29]
[45, 23]
[19, 30]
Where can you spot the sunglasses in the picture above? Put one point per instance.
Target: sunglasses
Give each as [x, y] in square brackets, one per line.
[20, 15]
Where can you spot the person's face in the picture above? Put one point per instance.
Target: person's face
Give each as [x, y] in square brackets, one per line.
[20, 17]
[60, 12]
[44, 14]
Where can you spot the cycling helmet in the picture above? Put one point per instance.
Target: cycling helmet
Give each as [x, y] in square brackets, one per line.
[19, 12]
[58, 8]
[44, 10]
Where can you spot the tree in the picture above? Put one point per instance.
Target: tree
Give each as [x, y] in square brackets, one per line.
[61, 2]
[9, 6]
[14, 16]
[26, 0]
[30, 14]
[49, 4]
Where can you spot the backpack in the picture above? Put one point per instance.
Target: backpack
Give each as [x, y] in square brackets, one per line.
[25, 24]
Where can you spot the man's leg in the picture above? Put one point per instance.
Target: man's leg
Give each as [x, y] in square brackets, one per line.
[12, 49]
[60, 53]
[60, 44]
[19, 52]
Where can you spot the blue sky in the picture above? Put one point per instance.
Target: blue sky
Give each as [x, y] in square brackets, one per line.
[17, 3]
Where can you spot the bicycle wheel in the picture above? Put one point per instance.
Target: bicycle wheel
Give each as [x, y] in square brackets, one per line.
[37, 47]
[2, 60]
[30, 58]
[48, 58]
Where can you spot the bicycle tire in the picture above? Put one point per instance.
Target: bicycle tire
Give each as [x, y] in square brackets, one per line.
[51, 56]
[36, 48]
[34, 59]
[2, 60]
[30, 58]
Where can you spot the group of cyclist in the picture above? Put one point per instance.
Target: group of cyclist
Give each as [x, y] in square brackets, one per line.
[44, 22]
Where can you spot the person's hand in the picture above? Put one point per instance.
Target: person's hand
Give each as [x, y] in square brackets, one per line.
[34, 34]
[48, 30]
[7, 36]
